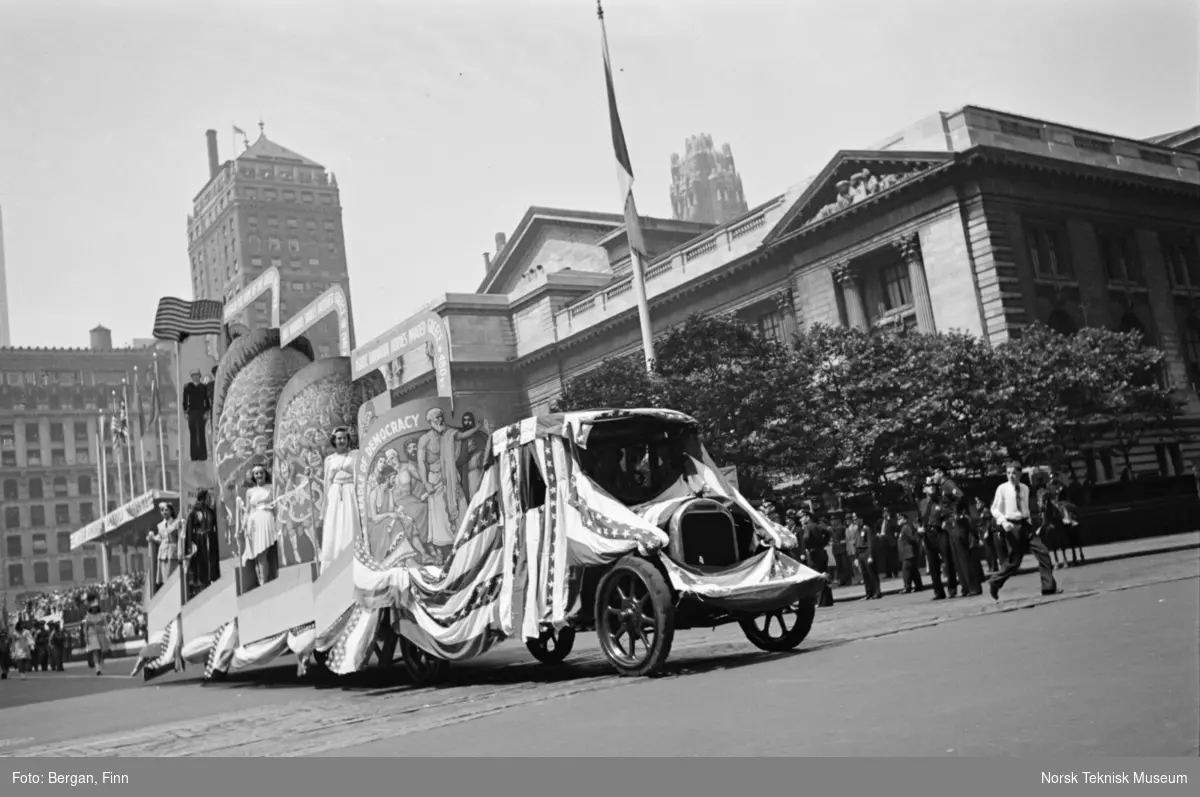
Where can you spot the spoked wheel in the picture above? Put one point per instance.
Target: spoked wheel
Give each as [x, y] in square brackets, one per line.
[780, 630]
[635, 617]
[552, 647]
[423, 668]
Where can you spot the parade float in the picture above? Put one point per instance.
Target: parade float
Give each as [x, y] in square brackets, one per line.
[464, 535]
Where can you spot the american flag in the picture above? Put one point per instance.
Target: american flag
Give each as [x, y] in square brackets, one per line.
[177, 319]
[120, 420]
[633, 227]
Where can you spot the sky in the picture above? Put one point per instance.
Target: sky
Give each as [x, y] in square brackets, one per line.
[444, 121]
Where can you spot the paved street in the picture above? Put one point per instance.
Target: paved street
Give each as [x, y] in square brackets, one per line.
[1109, 667]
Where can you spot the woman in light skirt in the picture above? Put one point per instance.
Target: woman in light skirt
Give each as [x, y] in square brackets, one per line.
[259, 530]
[95, 626]
[341, 522]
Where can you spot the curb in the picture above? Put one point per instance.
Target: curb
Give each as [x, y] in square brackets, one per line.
[1024, 571]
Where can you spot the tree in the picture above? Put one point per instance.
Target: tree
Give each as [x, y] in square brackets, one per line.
[1070, 391]
[719, 370]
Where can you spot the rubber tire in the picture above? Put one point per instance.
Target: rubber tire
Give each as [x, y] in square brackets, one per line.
[564, 641]
[804, 612]
[423, 669]
[662, 603]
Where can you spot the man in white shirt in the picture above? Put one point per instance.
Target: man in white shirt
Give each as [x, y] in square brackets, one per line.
[1010, 508]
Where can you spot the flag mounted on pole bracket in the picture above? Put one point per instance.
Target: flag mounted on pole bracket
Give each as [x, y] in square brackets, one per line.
[633, 226]
[178, 319]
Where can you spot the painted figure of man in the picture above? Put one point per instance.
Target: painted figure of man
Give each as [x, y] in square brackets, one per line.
[197, 406]
[437, 462]
[473, 455]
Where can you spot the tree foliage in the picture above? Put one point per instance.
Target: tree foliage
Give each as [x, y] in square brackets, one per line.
[842, 410]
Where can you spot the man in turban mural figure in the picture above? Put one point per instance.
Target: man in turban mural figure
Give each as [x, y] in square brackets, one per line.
[437, 463]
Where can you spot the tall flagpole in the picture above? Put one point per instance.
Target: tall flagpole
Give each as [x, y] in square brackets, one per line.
[179, 417]
[162, 442]
[102, 463]
[625, 177]
[137, 397]
[117, 457]
[128, 438]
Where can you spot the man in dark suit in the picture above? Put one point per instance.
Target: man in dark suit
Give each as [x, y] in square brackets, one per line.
[197, 406]
[813, 539]
[860, 537]
[937, 545]
[908, 543]
[958, 527]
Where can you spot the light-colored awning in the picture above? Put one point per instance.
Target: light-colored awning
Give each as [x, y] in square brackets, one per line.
[141, 511]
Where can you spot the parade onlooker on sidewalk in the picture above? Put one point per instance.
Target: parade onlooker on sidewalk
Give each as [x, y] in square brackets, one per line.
[21, 648]
[908, 543]
[861, 538]
[959, 529]
[841, 559]
[937, 546]
[41, 647]
[58, 645]
[813, 539]
[96, 627]
[5, 653]
[985, 529]
[889, 562]
[1011, 510]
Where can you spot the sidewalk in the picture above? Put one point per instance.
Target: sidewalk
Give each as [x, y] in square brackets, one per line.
[1095, 554]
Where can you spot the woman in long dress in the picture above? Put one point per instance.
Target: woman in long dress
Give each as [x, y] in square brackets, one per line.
[166, 536]
[341, 525]
[260, 532]
[95, 627]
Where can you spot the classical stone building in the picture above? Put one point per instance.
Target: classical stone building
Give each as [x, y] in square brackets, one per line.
[974, 220]
[705, 184]
[269, 207]
[50, 401]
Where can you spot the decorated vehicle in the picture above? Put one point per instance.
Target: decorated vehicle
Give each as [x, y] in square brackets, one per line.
[615, 521]
[354, 526]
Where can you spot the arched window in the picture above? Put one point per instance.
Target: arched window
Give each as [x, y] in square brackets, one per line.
[1061, 322]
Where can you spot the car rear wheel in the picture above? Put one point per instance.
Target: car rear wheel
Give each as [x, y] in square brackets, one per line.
[552, 647]
[423, 668]
[781, 630]
[635, 617]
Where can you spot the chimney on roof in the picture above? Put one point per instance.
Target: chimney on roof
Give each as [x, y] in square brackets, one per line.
[501, 240]
[487, 262]
[101, 339]
[214, 163]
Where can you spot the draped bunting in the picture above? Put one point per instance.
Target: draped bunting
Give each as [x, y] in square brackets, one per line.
[509, 558]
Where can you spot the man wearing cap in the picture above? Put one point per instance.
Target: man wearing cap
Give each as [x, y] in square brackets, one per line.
[197, 406]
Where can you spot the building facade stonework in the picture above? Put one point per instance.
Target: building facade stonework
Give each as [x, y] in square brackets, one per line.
[50, 404]
[972, 220]
[269, 207]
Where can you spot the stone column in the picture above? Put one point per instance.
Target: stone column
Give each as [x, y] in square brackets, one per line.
[909, 248]
[787, 312]
[846, 277]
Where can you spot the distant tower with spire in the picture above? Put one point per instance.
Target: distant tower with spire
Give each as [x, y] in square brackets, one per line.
[705, 185]
[269, 207]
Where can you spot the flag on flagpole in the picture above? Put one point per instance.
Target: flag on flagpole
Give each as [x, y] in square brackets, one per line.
[624, 166]
[177, 319]
[237, 131]
[152, 380]
[120, 421]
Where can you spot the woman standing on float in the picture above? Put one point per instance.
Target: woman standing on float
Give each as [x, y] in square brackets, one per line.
[260, 531]
[341, 523]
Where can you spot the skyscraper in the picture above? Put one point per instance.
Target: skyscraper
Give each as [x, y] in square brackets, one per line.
[269, 207]
[5, 332]
[705, 185]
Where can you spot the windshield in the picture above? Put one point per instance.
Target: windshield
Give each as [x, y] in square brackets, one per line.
[635, 462]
